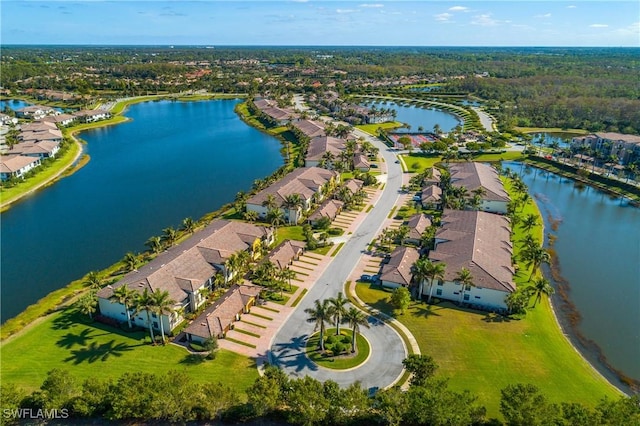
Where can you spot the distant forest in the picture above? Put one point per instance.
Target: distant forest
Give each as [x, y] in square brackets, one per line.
[597, 89]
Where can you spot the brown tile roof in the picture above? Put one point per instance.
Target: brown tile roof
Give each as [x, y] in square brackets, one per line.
[186, 267]
[435, 177]
[57, 118]
[38, 147]
[13, 163]
[49, 134]
[472, 175]
[360, 160]
[304, 181]
[321, 144]
[354, 185]
[329, 208]
[278, 113]
[634, 139]
[217, 317]
[310, 128]
[480, 242]
[417, 224]
[38, 126]
[431, 194]
[286, 251]
[398, 270]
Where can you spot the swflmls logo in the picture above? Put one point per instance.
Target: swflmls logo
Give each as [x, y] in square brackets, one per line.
[29, 413]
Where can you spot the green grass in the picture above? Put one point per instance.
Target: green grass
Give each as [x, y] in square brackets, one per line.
[64, 340]
[264, 317]
[335, 252]
[369, 208]
[299, 298]
[252, 323]
[289, 233]
[248, 333]
[343, 362]
[484, 354]
[322, 250]
[372, 129]
[240, 342]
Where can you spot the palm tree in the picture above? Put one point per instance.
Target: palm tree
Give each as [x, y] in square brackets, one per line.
[436, 272]
[293, 202]
[420, 273]
[337, 310]
[319, 315]
[465, 278]
[125, 296]
[87, 304]
[250, 215]
[288, 274]
[162, 304]
[93, 280]
[219, 280]
[355, 318]
[541, 286]
[270, 202]
[188, 225]
[130, 262]
[169, 235]
[234, 266]
[144, 302]
[155, 244]
[276, 218]
[534, 258]
[529, 222]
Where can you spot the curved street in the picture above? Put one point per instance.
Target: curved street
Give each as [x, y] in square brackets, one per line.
[384, 367]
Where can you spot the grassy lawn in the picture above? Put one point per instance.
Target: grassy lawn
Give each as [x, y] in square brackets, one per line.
[484, 354]
[64, 340]
[422, 161]
[343, 362]
[551, 130]
[322, 250]
[289, 233]
[372, 129]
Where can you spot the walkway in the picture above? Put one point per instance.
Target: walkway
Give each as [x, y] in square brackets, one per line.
[384, 367]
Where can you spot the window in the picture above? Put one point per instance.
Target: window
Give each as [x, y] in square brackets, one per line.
[155, 324]
[467, 288]
[153, 315]
[439, 292]
[440, 283]
[466, 297]
[477, 297]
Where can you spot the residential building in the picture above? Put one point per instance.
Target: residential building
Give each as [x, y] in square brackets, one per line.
[286, 252]
[218, 318]
[62, 119]
[360, 162]
[38, 126]
[417, 225]
[16, 165]
[481, 243]
[7, 120]
[184, 271]
[329, 208]
[431, 197]
[309, 183]
[397, 272]
[35, 112]
[625, 147]
[309, 128]
[319, 146]
[481, 177]
[91, 115]
[50, 135]
[39, 149]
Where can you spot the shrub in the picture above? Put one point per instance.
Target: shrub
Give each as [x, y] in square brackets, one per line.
[337, 348]
[331, 339]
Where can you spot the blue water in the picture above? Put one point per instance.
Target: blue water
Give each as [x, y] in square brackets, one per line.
[173, 160]
[563, 139]
[14, 104]
[420, 117]
[598, 246]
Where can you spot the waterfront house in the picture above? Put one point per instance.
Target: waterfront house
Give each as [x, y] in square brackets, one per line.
[62, 119]
[35, 112]
[397, 272]
[478, 176]
[16, 165]
[50, 135]
[38, 126]
[309, 128]
[481, 243]
[186, 270]
[39, 149]
[319, 146]
[626, 148]
[218, 318]
[309, 183]
[91, 115]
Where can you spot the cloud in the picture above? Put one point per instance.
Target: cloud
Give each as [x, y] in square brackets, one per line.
[443, 17]
[458, 9]
[484, 20]
[346, 10]
[572, 6]
[545, 16]
[372, 5]
[598, 26]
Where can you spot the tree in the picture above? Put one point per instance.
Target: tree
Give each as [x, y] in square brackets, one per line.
[541, 286]
[405, 141]
[169, 236]
[267, 392]
[270, 202]
[355, 318]
[144, 302]
[534, 258]
[465, 278]
[87, 304]
[293, 202]
[93, 280]
[162, 304]
[188, 225]
[155, 244]
[319, 315]
[288, 274]
[130, 262]
[250, 215]
[420, 272]
[337, 310]
[401, 299]
[306, 401]
[276, 218]
[517, 301]
[435, 272]
[529, 222]
[391, 405]
[524, 405]
[125, 296]
[421, 367]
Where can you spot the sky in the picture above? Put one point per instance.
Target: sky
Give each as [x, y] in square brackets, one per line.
[322, 22]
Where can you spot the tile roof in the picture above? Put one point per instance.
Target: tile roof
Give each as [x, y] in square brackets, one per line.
[360, 160]
[431, 194]
[354, 185]
[321, 144]
[286, 251]
[186, 267]
[472, 175]
[417, 224]
[37, 147]
[480, 242]
[217, 317]
[38, 126]
[304, 181]
[634, 139]
[13, 163]
[49, 134]
[398, 269]
[329, 208]
[310, 128]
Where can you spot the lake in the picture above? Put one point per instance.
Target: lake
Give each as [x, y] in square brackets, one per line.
[173, 160]
[418, 117]
[14, 104]
[598, 247]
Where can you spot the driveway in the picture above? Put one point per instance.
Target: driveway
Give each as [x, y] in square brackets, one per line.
[384, 366]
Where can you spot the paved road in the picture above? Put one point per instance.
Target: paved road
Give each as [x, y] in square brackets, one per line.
[384, 366]
[485, 119]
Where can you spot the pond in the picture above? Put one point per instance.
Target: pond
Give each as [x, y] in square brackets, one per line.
[14, 104]
[173, 160]
[596, 242]
[419, 117]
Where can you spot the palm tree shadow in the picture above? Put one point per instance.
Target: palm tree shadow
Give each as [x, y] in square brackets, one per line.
[493, 317]
[69, 340]
[98, 352]
[424, 311]
[292, 355]
[193, 359]
[67, 319]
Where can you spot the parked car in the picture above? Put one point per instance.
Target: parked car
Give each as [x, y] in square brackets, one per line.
[374, 166]
[365, 278]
